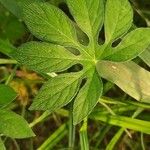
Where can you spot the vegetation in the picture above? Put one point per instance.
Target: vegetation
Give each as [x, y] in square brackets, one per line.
[74, 74]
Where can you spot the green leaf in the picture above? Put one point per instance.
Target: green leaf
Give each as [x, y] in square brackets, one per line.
[7, 95]
[118, 19]
[88, 14]
[131, 46]
[131, 78]
[13, 125]
[2, 146]
[6, 48]
[87, 97]
[58, 51]
[125, 122]
[12, 6]
[15, 6]
[45, 57]
[145, 56]
[62, 90]
[49, 23]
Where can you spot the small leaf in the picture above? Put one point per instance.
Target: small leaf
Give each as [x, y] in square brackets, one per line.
[89, 15]
[13, 125]
[131, 78]
[131, 46]
[49, 23]
[7, 95]
[118, 19]
[57, 92]
[87, 98]
[125, 122]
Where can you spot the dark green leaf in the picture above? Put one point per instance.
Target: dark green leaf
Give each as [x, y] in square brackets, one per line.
[7, 95]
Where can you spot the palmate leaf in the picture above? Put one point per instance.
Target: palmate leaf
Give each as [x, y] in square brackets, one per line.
[51, 25]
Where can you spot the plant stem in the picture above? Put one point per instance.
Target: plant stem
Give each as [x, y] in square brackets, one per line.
[11, 75]
[16, 144]
[42, 117]
[71, 129]
[8, 61]
[57, 136]
[142, 142]
[83, 136]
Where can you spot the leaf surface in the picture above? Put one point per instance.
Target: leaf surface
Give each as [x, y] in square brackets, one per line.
[49, 23]
[7, 95]
[13, 125]
[118, 19]
[62, 90]
[87, 97]
[12, 6]
[88, 14]
[131, 78]
[45, 57]
[131, 46]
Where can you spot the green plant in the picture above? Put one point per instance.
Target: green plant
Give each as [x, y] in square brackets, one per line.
[74, 56]
[51, 25]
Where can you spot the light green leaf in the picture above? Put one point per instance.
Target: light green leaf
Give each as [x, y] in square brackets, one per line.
[118, 19]
[125, 122]
[7, 95]
[88, 14]
[57, 92]
[87, 97]
[49, 23]
[145, 56]
[131, 78]
[2, 146]
[131, 46]
[13, 125]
